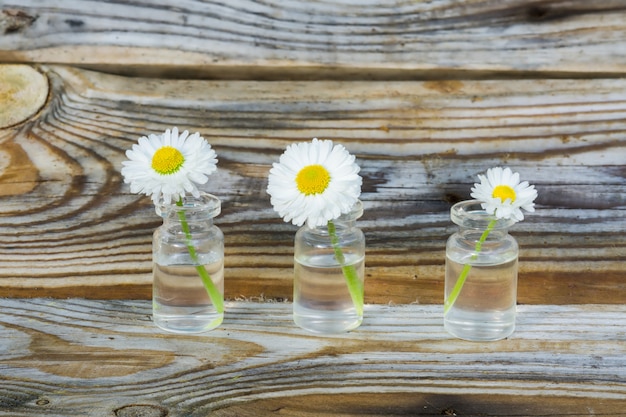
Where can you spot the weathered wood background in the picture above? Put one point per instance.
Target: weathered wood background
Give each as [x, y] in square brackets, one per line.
[426, 94]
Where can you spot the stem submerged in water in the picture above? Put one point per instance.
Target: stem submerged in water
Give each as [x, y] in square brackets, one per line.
[454, 294]
[211, 289]
[355, 286]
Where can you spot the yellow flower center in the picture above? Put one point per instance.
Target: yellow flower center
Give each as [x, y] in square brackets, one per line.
[167, 160]
[313, 179]
[503, 192]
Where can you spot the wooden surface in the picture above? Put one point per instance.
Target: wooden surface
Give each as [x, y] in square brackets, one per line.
[70, 227]
[344, 39]
[105, 358]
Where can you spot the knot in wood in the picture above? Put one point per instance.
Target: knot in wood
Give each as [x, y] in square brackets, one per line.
[23, 92]
[14, 20]
[141, 410]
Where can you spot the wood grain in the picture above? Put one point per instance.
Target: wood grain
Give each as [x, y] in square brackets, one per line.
[70, 227]
[561, 361]
[278, 39]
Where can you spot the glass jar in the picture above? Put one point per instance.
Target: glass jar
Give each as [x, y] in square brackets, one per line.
[481, 275]
[329, 275]
[188, 266]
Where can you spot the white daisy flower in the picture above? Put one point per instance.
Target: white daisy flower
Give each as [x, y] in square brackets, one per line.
[169, 165]
[503, 195]
[314, 182]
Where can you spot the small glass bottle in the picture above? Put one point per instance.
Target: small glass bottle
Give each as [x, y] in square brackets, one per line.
[329, 275]
[188, 266]
[484, 307]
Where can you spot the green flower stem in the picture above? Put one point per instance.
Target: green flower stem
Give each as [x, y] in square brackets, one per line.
[211, 289]
[466, 269]
[355, 286]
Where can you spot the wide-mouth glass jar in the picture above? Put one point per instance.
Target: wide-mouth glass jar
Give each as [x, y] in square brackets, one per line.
[188, 266]
[481, 275]
[329, 275]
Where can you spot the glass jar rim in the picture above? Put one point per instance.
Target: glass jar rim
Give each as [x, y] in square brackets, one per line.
[354, 213]
[471, 214]
[206, 204]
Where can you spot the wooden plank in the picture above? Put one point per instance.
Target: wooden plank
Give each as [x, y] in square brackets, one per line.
[70, 227]
[343, 39]
[96, 358]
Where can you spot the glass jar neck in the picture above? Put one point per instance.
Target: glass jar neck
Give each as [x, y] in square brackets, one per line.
[344, 222]
[471, 216]
[191, 209]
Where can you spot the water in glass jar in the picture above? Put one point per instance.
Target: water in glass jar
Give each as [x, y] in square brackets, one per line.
[322, 301]
[485, 308]
[181, 303]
